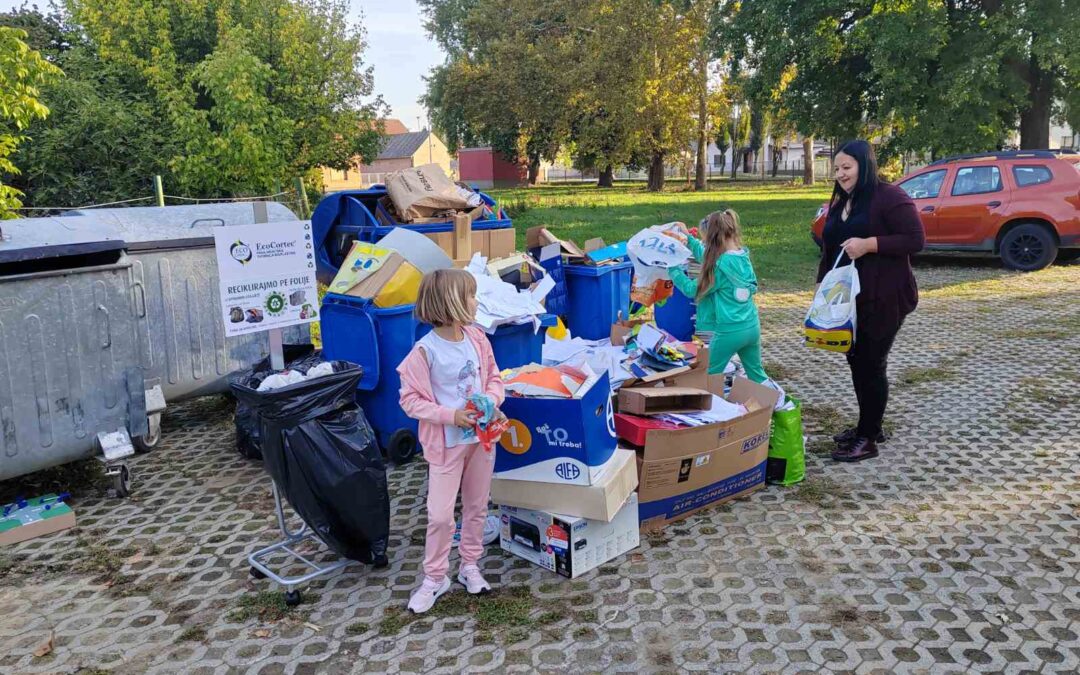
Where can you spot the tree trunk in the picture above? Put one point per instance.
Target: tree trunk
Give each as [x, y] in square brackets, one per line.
[534, 170]
[607, 177]
[656, 172]
[764, 153]
[701, 177]
[734, 162]
[808, 160]
[1035, 120]
[748, 162]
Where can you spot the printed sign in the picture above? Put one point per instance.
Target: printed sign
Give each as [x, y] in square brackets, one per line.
[267, 276]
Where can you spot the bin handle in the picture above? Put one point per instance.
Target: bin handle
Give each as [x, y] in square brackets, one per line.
[141, 299]
[195, 222]
[107, 340]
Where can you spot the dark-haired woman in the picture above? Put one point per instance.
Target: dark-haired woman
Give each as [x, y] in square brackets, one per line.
[875, 225]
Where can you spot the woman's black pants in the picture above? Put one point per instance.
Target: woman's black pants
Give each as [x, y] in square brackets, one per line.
[869, 360]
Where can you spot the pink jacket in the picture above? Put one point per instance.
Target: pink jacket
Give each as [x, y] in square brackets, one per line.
[418, 401]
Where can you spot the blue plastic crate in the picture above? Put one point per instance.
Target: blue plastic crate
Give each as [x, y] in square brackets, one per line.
[676, 316]
[596, 296]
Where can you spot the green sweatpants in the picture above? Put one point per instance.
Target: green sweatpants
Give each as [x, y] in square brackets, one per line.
[746, 342]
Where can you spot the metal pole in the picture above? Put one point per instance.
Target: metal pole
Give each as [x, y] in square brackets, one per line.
[159, 191]
[304, 210]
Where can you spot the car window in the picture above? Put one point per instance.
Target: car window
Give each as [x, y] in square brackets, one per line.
[924, 186]
[974, 180]
[1031, 175]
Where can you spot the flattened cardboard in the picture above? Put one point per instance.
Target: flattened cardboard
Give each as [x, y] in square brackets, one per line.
[653, 400]
[600, 501]
[463, 240]
[538, 237]
[501, 242]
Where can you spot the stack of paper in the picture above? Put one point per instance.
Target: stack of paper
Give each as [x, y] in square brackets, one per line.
[536, 381]
[599, 355]
[500, 303]
[721, 411]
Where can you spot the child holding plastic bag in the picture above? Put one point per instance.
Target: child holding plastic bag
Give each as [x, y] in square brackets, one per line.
[725, 294]
[444, 369]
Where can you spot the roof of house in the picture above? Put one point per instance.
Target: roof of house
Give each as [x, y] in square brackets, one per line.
[394, 127]
[403, 145]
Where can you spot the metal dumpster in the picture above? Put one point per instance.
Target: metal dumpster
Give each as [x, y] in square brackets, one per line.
[182, 344]
[70, 380]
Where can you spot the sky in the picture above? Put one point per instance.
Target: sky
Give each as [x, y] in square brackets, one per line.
[398, 48]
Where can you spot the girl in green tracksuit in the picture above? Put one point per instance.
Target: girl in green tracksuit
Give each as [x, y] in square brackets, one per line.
[725, 295]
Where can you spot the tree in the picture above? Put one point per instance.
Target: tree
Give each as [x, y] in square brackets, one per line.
[253, 91]
[23, 71]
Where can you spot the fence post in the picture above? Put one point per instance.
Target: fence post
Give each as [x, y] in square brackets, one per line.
[159, 191]
[305, 211]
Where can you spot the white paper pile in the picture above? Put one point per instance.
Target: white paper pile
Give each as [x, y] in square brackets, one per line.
[721, 411]
[501, 303]
[600, 355]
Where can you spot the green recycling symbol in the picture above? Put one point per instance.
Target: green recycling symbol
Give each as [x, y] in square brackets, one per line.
[275, 303]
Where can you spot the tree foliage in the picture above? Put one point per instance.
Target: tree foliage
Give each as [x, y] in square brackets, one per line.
[23, 71]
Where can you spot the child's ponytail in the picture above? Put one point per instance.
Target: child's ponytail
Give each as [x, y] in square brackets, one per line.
[722, 227]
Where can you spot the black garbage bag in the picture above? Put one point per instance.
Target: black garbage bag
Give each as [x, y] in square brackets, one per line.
[320, 450]
[297, 357]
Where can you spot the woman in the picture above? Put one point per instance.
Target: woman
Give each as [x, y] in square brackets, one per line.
[875, 225]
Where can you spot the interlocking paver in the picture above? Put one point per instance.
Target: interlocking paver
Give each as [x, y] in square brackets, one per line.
[957, 551]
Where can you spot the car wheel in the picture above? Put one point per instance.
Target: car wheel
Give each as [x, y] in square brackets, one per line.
[1028, 247]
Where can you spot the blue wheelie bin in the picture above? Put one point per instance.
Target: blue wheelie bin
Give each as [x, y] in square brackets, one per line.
[377, 339]
[514, 345]
[596, 296]
[676, 316]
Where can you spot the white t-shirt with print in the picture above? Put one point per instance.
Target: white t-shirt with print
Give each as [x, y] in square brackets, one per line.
[455, 376]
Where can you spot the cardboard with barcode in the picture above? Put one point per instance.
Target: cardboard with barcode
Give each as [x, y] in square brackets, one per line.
[681, 471]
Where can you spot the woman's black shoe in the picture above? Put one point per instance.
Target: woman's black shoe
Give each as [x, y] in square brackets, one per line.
[848, 436]
[862, 448]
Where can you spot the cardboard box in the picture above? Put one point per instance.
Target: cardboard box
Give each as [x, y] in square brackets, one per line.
[568, 545]
[500, 243]
[463, 240]
[395, 283]
[653, 400]
[33, 520]
[558, 440]
[600, 501]
[682, 471]
[538, 237]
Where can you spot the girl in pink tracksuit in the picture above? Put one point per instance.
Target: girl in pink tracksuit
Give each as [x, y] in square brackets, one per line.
[447, 366]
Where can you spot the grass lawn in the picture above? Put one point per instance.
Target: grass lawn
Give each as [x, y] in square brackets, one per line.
[775, 218]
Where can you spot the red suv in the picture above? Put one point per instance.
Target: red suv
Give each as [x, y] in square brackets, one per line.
[1022, 205]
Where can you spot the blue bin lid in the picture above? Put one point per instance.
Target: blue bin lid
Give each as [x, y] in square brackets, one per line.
[595, 271]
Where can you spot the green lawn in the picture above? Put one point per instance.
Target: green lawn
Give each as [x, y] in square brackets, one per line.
[776, 219]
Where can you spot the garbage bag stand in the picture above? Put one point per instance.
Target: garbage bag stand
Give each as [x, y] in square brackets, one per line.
[259, 559]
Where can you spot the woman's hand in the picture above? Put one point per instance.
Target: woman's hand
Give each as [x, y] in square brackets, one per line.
[464, 418]
[857, 248]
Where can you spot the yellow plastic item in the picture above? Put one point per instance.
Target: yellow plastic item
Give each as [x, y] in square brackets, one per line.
[558, 331]
[402, 288]
[832, 340]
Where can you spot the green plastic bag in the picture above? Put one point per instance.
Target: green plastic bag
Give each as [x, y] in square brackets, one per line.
[787, 455]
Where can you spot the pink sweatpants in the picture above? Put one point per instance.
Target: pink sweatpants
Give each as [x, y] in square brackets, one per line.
[467, 467]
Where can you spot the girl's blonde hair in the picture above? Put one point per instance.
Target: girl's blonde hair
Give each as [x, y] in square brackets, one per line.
[722, 227]
[443, 299]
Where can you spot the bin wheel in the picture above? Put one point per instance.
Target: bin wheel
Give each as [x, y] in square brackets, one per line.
[402, 446]
[152, 438]
[257, 573]
[121, 481]
[293, 598]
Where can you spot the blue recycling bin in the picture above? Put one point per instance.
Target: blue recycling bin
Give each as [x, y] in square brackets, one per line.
[676, 316]
[378, 339]
[596, 297]
[340, 218]
[516, 346]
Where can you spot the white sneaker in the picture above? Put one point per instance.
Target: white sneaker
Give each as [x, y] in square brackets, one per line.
[491, 532]
[473, 580]
[424, 597]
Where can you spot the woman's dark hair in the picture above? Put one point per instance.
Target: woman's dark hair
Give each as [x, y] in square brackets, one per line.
[863, 153]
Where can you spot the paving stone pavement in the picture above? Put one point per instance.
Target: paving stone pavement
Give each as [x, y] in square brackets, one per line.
[958, 550]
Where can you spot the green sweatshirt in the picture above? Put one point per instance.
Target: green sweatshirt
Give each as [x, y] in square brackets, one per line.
[719, 311]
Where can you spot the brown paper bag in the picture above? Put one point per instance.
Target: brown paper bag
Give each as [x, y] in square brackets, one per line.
[423, 191]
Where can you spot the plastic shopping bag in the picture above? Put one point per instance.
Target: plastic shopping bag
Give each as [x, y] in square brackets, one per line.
[830, 323]
[653, 251]
[787, 456]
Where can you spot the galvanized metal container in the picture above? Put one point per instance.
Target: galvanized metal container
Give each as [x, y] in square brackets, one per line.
[180, 337]
[70, 379]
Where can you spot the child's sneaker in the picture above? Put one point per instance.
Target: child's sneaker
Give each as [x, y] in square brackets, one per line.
[473, 580]
[424, 597]
[491, 532]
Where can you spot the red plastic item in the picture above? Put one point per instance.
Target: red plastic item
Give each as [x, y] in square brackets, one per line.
[634, 429]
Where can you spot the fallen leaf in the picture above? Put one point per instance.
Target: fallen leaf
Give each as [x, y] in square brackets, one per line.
[138, 557]
[46, 647]
[313, 627]
[262, 633]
